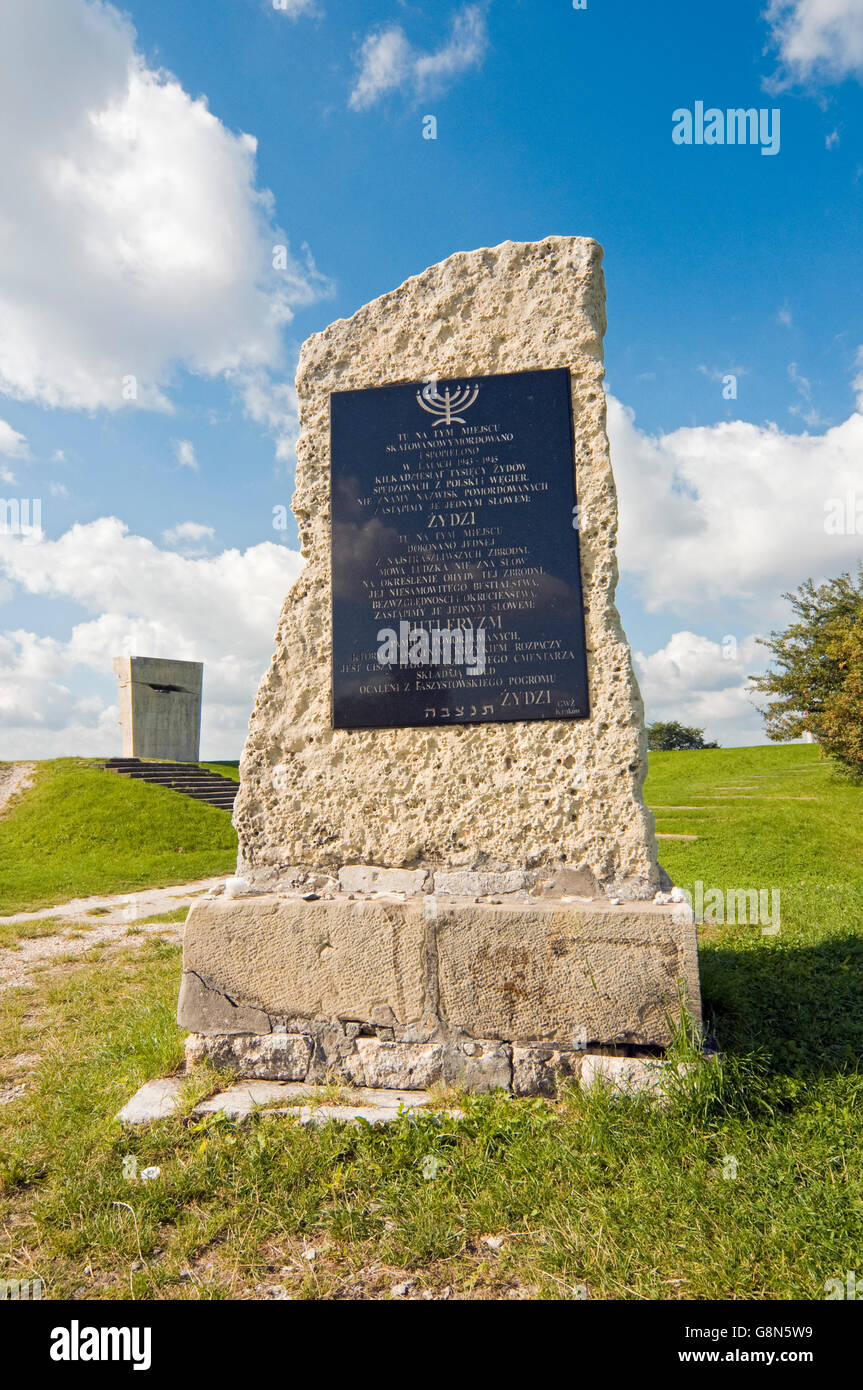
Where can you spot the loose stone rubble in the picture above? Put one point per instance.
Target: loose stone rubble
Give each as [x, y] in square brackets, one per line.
[315, 1106]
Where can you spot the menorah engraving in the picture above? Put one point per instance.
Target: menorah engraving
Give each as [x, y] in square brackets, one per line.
[444, 403]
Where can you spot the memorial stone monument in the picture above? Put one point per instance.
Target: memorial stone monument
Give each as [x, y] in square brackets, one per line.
[446, 869]
[160, 707]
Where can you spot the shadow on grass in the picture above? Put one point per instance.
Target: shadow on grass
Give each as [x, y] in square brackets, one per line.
[799, 1007]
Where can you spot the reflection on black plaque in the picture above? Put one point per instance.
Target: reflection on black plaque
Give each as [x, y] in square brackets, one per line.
[456, 578]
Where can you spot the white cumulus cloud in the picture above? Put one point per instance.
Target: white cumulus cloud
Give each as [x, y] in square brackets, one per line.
[818, 40]
[58, 696]
[271, 403]
[135, 238]
[388, 61]
[188, 533]
[184, 451]
[716, 523]
[732, 515]
[12, 444]
[294, 8]
[704, 683]
[858, 380]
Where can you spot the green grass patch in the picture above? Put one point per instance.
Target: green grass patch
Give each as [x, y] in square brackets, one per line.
[231, 770]
[81, 831]
[177, 914]
[13, 933]
[773, 818]
[748, 1185]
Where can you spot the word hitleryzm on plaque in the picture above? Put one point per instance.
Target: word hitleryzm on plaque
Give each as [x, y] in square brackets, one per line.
[455, 561]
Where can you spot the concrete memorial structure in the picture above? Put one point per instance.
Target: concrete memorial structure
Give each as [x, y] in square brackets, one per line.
[446, 870]
[160, 707]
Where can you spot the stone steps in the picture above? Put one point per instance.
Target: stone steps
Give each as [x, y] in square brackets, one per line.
[186, 778]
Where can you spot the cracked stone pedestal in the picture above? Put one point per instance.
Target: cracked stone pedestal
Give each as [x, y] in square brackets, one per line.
[406, 995]
[396, 976]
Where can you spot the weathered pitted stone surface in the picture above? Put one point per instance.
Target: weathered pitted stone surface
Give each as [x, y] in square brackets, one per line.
[215, 1011]
[353, 942]
[303, 1104]
[479, 1066]
[465, 975]
[283, 956]
[625, 1075]
[496, 796]
[533, 1073]
[262, 1056]
[241, 1100]
[549, 973]
[364, 878]
[538, 1071]
[459, 883]
[407, 1066]
[157, 1100]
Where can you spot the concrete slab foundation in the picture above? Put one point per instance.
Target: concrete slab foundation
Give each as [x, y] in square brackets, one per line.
[309, 1105]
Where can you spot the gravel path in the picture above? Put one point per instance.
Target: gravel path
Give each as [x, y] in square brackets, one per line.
[17, 967]
[120, 907]
[14, 777]
[117, 914]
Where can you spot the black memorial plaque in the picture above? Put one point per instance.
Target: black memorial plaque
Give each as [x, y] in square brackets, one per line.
[455, 562]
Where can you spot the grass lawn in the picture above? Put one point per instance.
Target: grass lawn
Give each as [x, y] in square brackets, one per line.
[81, 831]
[748, 1185]
[230, 769]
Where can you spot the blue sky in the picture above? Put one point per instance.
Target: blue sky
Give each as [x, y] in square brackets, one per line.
[156, 155]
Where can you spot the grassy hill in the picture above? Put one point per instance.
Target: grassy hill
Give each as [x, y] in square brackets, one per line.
[80, 830]
[229, 769]
[748, 1185]
[773, 818]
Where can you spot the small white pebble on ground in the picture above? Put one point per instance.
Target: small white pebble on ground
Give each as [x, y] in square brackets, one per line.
[676, 895]
[149, 1174]
[402, 1290]
[493, 1242]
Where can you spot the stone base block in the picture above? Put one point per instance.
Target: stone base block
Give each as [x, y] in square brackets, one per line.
[404, 995]
[259, 1056]
[538, 1071]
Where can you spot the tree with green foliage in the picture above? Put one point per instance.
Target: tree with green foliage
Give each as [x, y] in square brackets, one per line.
[670, 736]
[816, 684]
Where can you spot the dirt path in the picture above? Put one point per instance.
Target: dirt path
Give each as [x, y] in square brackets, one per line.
[89, 922]
[18, 967]
[14, 777]
[120, 907]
